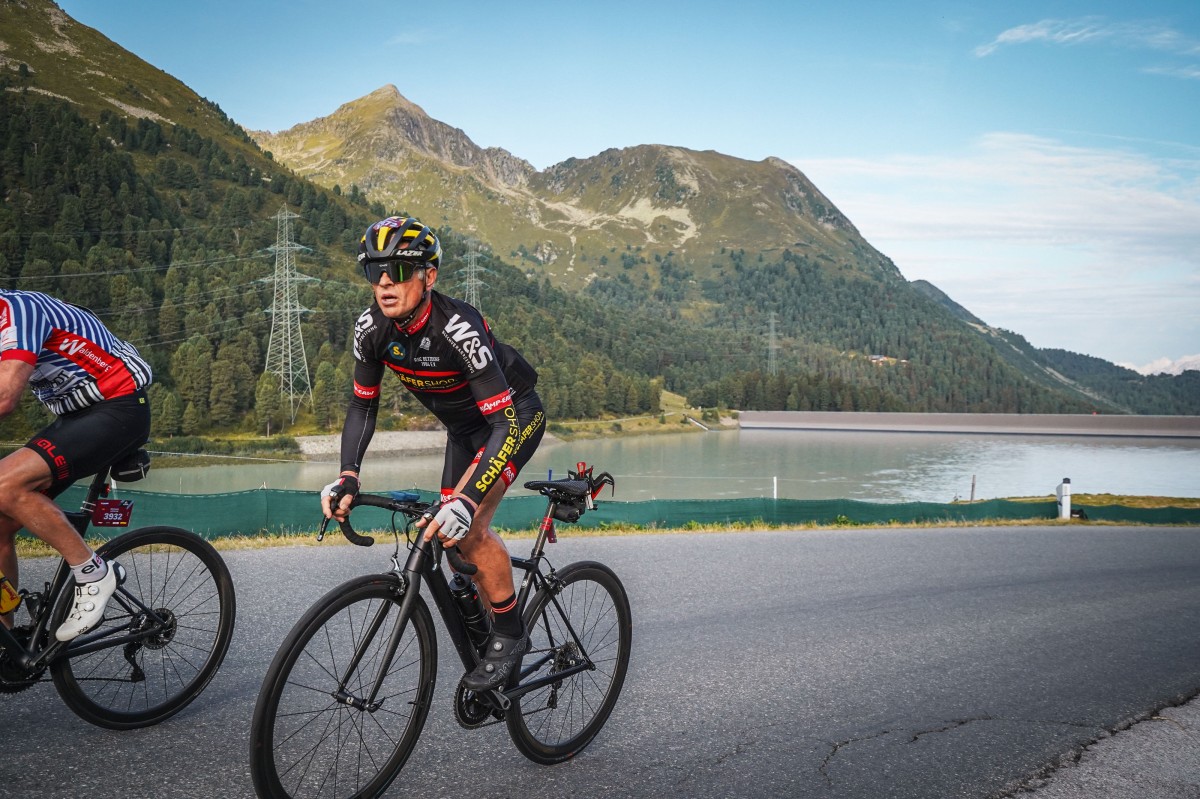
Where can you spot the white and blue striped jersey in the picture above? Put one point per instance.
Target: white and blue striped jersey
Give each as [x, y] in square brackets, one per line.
[77, 361]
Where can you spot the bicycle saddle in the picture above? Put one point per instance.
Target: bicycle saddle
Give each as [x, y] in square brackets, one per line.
[131, 468]
[567, 489]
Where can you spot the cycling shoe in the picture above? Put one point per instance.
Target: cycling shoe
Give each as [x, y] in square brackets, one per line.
[501, 655]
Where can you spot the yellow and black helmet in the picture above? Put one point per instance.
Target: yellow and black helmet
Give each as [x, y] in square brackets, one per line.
[400, 238]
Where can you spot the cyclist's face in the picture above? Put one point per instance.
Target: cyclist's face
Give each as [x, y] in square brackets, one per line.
[398, 300]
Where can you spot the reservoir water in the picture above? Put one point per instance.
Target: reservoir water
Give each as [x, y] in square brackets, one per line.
[885, 467]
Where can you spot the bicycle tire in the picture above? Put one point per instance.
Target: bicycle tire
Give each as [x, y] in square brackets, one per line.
[555, 722]
[304, 742]
[181, 576]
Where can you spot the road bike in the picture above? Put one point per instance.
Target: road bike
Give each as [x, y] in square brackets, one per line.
[346, 696]
[164, 634]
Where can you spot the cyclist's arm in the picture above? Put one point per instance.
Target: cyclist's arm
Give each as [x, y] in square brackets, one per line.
[359, 426]
[14, 378]
[23, 331]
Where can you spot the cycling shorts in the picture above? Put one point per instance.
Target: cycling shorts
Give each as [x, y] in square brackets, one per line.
[83, 442]
[462, 451]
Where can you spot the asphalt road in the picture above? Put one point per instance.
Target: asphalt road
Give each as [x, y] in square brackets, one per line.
[832, 663]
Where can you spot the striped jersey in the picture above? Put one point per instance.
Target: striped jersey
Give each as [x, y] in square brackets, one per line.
[77, 361]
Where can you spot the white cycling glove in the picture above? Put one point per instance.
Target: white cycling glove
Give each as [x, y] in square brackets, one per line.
[454, 519]
[346, 484]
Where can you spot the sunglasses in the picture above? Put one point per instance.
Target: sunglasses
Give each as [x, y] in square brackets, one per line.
[398, 271]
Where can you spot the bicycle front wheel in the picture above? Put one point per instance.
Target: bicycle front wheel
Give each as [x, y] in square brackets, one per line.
[320, 729]
[582, 619]
[178, 602]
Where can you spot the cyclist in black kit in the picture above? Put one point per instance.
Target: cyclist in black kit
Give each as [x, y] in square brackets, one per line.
[481, 390]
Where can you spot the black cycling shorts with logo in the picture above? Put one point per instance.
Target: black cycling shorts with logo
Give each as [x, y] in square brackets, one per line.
[462, 450]
[81, 443]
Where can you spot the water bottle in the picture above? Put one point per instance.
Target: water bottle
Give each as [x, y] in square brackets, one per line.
[9, 598]
[479, 626]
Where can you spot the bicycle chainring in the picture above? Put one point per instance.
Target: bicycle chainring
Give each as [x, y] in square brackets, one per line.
[471, 712]
[13, 678]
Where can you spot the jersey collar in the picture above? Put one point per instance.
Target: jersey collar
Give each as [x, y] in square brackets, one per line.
[418, 322]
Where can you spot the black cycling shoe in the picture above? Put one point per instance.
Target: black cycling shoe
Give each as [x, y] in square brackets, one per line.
[502, 655]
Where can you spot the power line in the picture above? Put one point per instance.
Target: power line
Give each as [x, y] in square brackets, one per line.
[157, 268]
[122, 232]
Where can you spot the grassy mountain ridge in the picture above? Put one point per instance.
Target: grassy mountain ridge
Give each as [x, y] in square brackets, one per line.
[577, 220]
[622, 274]
[71, 61]
[166, 232]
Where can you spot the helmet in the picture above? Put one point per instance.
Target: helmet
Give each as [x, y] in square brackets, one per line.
[400, 238]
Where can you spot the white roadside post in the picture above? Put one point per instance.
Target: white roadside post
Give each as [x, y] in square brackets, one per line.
[1064, 498]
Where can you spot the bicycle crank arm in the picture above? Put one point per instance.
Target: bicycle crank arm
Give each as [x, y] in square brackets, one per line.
[499, 699]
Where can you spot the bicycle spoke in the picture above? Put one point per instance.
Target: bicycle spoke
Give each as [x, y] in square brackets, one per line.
[320, 746]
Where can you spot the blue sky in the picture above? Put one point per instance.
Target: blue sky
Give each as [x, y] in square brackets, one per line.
[1039, 162]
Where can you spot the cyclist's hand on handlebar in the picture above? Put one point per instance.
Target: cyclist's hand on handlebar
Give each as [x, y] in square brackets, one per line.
[451, 522]
[337, 496]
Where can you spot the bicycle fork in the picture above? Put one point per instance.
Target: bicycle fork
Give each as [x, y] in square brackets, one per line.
[410, 584]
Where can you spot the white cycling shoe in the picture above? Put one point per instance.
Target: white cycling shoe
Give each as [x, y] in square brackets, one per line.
[90, 601]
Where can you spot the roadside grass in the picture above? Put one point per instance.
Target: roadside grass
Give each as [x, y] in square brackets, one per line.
[1119, 499]
[676, 416]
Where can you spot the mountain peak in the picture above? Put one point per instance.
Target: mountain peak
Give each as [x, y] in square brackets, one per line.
[389, 96]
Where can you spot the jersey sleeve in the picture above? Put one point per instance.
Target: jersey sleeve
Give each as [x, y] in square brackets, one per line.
[22, 331]
[361, 414]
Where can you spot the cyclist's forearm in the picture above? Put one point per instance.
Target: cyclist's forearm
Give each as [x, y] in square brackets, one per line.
[357, 432]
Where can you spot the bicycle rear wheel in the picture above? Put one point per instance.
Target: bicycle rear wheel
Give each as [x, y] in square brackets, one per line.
[584, 617]
[308, 738]
[180, 578]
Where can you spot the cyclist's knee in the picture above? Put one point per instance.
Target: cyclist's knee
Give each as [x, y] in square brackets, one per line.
[21, 472]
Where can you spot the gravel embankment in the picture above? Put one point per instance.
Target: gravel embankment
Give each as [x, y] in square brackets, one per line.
[384, 441]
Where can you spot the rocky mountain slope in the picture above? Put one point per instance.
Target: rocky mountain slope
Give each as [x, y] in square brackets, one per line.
[580, 219]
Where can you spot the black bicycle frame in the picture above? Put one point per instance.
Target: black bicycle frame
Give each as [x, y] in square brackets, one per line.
[32, 660]
[423, 565]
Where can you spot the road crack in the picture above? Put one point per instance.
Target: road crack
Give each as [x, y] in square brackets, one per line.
[941, 727]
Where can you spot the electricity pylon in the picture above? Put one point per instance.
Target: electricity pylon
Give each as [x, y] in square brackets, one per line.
[772, 348]
[470, 280]
[285, 352]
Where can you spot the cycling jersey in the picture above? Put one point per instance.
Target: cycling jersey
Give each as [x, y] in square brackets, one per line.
[481, 390]
[77, 361]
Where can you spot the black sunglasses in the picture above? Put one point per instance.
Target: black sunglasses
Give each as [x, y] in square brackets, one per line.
[398, 271]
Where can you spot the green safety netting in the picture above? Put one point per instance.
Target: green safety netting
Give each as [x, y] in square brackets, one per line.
[280, 511]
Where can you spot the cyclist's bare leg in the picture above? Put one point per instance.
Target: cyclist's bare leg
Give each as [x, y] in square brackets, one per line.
[484, 548]
[8, 560]
[23, 477]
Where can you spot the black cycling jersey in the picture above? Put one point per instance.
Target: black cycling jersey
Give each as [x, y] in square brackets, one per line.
[481, 390]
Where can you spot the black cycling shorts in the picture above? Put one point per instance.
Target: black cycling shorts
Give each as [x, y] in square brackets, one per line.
[463, 450]
[81, 443]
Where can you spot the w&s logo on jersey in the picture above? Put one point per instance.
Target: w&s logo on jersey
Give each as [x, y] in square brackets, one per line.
[467, 340]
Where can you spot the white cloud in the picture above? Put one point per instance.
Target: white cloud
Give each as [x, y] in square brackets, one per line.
[1090, 30]
[1167, 366]
[1190, 72]
[1089, 249]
